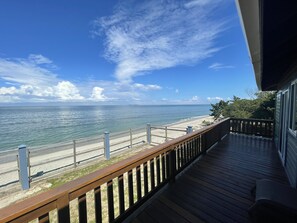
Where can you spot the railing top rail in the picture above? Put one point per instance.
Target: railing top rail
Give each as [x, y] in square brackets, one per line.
[86, 183]
[252, 119]
[168, 128]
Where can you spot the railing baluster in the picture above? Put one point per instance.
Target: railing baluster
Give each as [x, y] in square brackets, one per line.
[145, 180]
[203, 146]
[152, 170]
[198, 145]
[82, 208]
[192, 149]
[167, 166]
[266, 125]
[63, 209]
[186, 152]
[130, 188]
[138, 182]
[121, 194]
[178, 157]
[172, 157]
[158, 170]
[189, 151]
[44, 218]
[98, 206]
[195, 147]
[182, 154]
[163, 167]
[110, 200]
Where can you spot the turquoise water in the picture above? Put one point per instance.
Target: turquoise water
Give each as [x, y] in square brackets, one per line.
[35, 126]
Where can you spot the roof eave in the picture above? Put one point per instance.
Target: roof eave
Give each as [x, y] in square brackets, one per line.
[249, 14]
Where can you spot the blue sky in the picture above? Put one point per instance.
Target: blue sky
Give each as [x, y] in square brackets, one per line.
[122, 52]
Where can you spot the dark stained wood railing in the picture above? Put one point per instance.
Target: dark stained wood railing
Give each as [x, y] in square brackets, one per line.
[128, 183]
[257, 127]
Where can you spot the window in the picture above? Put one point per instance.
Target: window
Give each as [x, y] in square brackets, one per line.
[293, 107]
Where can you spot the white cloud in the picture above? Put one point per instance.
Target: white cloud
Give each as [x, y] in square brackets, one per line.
[26, 71]
[195, 98]
[97, 94]
[147, 87]
[28, 80]
[218, 66]
[214, 99]
[195, 3]
[152, 35]
[65, 90]
[33, 82]
[7, 90]
[176, 91]
[39, 59]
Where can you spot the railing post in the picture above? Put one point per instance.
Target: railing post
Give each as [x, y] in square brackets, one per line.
[23, 163]
[74, 153]
[29, 166]
[106, 146]
[189, 129]
[148, 134]
[131, 143]
[166, 135]
[18, 163]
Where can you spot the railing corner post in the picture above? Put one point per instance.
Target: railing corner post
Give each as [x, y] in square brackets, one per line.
[23, 165]
[106, 146]
[148, 134]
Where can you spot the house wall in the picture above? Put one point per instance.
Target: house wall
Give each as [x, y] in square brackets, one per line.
[291, 159]
[290, 162]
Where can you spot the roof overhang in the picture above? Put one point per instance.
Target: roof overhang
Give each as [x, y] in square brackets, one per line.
[250, 22]
[270, 31]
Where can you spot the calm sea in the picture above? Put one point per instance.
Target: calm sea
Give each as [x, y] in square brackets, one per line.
[35, 126]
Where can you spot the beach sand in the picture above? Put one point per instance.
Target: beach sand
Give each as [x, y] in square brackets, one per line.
[52, 161]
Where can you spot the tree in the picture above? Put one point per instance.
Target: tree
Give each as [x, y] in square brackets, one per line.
[266, 107]
[262, 107]
[218, 108]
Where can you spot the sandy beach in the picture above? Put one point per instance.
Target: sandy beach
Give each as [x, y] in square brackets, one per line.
[53, 161]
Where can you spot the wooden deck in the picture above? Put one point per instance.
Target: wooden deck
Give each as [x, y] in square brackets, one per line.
[217, 187]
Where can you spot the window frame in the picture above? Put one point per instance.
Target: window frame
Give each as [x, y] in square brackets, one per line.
[292, 116]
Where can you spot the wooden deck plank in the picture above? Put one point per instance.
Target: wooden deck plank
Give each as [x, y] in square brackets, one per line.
[162, 213]
[217, 203]
[217, 187]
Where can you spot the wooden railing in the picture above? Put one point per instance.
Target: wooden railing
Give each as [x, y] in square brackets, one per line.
[257, 127]
[116, 191]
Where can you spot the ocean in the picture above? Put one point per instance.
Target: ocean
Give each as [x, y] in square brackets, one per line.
[44, 125]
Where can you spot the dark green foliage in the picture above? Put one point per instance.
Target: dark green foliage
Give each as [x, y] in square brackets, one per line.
[266, 107]
[260, 108]
[217, 109]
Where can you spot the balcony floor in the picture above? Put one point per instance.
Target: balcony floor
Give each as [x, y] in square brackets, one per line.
[217, 187]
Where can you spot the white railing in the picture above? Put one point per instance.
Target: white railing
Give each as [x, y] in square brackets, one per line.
[49, 159]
